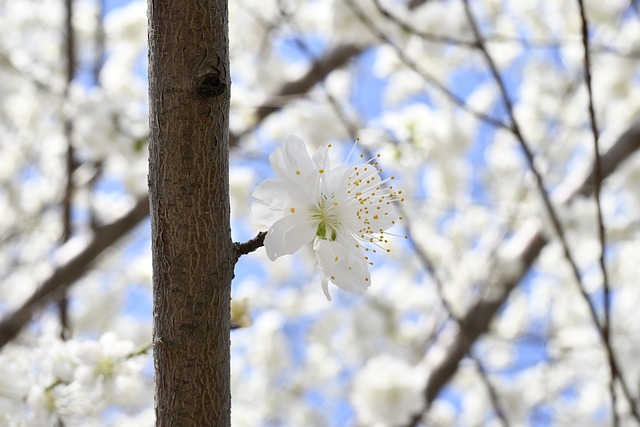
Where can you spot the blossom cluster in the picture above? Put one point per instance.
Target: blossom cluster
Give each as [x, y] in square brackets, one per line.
[72, 382]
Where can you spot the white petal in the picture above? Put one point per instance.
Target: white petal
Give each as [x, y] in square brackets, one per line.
[343, 264]
[321, 158]
[289, 234]
[266, 214]
[325, 286]
[275, 198]
[271, 202]
[291, 161]
[335, 181]
[383, 218]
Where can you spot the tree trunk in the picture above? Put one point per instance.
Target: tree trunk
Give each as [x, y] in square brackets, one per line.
[189, 193]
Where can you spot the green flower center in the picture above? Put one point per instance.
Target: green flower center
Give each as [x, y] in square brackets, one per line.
[326, 231]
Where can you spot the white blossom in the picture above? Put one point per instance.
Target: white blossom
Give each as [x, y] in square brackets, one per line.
[344, 210]
[388, 391]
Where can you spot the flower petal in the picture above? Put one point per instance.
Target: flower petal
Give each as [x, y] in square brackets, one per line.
[343, 264]
[334, 181]
[325, 286]
[276, 198]
[292, 161]
[289, 234]
[271, 201]
[321, 158]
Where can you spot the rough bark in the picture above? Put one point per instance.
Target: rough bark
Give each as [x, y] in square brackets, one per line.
[192, 249]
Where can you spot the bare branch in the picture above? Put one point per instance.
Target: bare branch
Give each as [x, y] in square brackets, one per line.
[606, 324]
[319, 70]
[334, 59]
[525, 246]
[426, 36]
[414, 4]
[65, 275]
[249, 246]
[627, 144]
[428, 78]
[466, 336]
[70, 166]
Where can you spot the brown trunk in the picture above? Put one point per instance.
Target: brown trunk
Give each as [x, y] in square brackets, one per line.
[189, 192]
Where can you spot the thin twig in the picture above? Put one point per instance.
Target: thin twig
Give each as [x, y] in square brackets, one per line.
[70, 165]
[100, 43]
[606, 325]
[495, 38]
[558, 228]
[426, 36]
[524, 145]
[414, 4]
[428, 78]
[249, 246]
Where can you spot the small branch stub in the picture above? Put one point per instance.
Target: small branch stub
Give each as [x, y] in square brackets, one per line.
[211, 85]
[249, 246]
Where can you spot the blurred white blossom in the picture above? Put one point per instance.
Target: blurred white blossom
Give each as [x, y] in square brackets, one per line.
[388, 392]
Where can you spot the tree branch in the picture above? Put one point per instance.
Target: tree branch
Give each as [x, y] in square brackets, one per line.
[606, 323]
[525, 246]
[332, 60]
[426, 76]
[248, 246]
[626, 145]
[319, 70]
[67, 201]
[66, 274]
